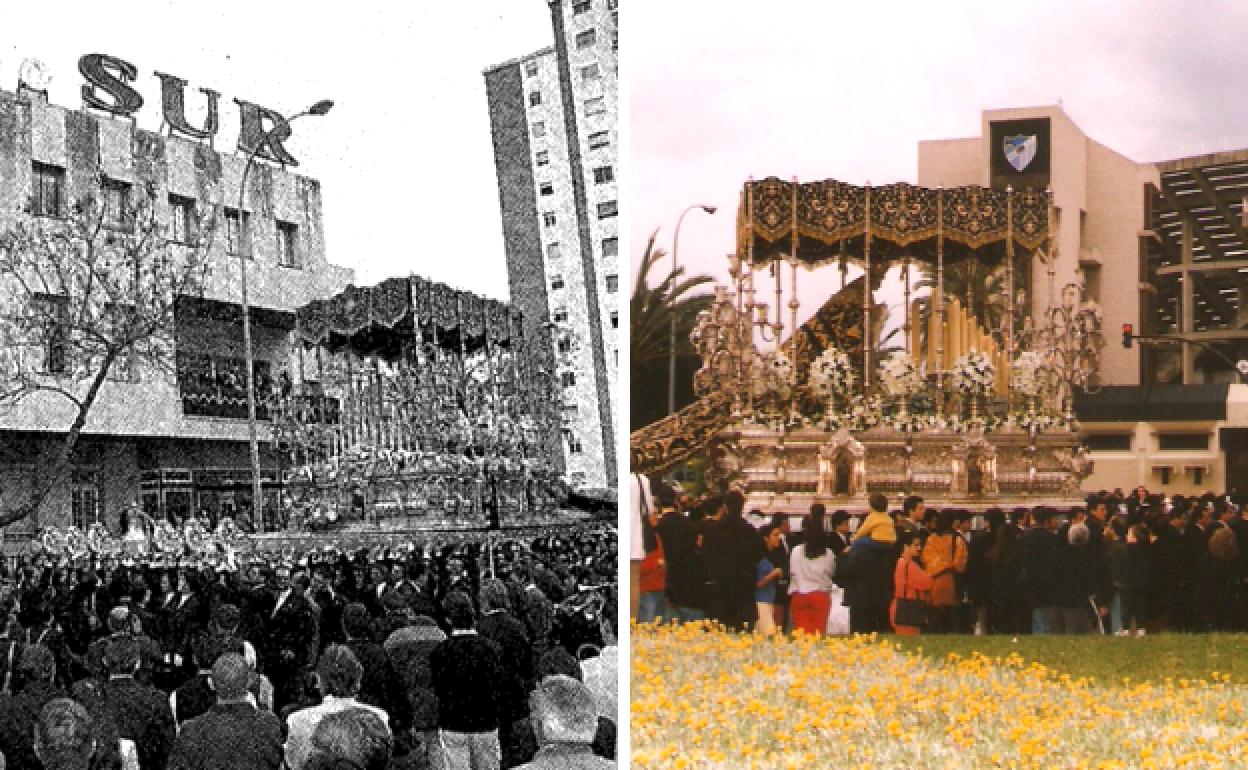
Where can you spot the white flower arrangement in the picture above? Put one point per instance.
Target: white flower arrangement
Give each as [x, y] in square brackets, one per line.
[779, 368]
[1041, 421]
[1028, 375]
[899, 375]
[831, 373]
[973, 374]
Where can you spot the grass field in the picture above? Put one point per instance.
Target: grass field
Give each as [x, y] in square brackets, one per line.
[1107, 660]
[703, 698]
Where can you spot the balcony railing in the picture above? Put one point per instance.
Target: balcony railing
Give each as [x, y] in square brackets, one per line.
[216, 386]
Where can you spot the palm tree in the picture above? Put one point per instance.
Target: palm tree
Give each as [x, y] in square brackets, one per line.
[653, 311]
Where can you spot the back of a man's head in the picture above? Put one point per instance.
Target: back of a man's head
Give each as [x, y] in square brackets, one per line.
[231, 677]
[340, 671]
[563, 711]
[121, 656]
[37, 664]
[64, 736]
[354, 738]
[734, 503]
[458, 609]
[356, 621]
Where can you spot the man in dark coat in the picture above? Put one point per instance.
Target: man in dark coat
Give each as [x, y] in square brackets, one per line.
[685, 581]
[467, 678]
[234, 733]
[501, 627]
[290, 634]
[866, 574]
[733, 548]
[381, 685]
[1040, 567]
[37, 669]
[141, 713]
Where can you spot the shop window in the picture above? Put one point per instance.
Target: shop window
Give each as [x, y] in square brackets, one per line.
[48, 193]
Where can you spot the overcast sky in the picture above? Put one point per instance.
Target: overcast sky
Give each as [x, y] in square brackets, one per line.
[405, 157]
[721, 91]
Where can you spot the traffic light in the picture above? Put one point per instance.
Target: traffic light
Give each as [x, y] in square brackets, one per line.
[1126, 335]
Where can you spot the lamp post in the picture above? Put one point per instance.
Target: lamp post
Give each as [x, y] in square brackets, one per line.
[257, 496]
[671, 341]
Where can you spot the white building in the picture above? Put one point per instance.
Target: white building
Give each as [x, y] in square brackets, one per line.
[554, 115]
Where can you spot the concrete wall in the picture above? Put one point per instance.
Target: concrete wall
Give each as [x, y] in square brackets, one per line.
[1138, 465]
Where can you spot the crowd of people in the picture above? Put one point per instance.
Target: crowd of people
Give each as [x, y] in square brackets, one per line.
[455, 656]
[1124, 563]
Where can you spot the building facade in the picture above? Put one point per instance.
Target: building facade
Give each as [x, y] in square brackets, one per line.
[553, 115]
[1163, 248]
[173, 441]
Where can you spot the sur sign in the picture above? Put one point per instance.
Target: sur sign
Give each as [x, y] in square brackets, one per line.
[108, 89]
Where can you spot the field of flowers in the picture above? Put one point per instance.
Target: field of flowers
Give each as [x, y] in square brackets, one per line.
[708, 699]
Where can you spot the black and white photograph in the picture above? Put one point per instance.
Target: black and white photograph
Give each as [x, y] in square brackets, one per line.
[308, 386]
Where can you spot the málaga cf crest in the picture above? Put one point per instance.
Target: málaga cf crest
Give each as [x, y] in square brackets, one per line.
[1020, 150]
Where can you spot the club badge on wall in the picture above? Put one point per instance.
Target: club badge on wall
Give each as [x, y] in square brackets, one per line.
[1020, 150]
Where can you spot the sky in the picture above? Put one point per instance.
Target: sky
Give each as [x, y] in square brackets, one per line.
[722, 91]
[405, 157]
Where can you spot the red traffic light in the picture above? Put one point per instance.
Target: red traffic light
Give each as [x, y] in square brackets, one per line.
[1127, 335]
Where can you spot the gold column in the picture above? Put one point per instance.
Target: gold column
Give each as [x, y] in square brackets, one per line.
[866, 291]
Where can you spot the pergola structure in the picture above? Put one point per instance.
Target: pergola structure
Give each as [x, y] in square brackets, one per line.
[1194, 270]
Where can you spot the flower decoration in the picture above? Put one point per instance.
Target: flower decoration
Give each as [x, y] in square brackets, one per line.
[973, 374]
[899, 375]
[780, 368]
[1028, 375]
[831, 373]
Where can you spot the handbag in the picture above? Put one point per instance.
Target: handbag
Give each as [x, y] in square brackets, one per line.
[910, 612]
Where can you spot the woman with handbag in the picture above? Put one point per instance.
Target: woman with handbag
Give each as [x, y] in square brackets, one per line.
[911, 585]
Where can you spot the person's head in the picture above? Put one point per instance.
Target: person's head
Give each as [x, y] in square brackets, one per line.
[772, 535]
[814, 539]
[356, 621]
[734, 503]
[281, 578]
[913, 507]
[840, 522]
[910, 545]
[119, 620]
[458, 608]
[121, 656]
[355, 738]
[231, 677]
[37, 664]
[494, 595]
[226, 617]
[562, 710]
[878, 502]
[1097, 507]
[299, 581]
[64, 736]
[339, 671]
[945, 521]
[781, 522]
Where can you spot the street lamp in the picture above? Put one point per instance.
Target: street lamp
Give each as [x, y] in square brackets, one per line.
[671, 342]
[257, 496]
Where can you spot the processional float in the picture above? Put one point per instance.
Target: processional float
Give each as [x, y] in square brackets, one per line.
[975, 411]
[415, 405]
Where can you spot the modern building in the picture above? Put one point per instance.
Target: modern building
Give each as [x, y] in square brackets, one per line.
[1163, 248]
[174, 441]
[554, 114]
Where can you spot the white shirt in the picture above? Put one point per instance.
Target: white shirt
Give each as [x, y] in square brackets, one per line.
[807, 575]
[302, 724]
[281, 599]
[642, 501]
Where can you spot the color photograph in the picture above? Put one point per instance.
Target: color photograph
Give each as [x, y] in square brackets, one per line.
[938, 417]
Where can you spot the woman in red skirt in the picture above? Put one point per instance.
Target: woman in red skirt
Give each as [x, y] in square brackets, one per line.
[811, 565]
